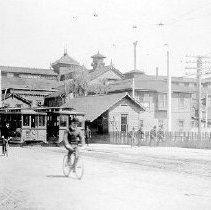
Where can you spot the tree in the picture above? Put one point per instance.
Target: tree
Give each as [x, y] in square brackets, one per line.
[99, 88]
[78, 84]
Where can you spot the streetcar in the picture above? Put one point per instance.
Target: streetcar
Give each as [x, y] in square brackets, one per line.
[25, 124]
[58, 120]
[45, 125]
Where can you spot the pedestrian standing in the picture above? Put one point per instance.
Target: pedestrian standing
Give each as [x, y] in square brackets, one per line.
[153, 134]
[133, 137]
[88, 135]
[140, 135]
[5, 137]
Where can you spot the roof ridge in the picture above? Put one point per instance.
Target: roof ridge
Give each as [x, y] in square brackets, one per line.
[98, 95]
[24, 67]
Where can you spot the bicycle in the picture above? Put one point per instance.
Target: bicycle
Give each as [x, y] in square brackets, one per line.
[75, 164]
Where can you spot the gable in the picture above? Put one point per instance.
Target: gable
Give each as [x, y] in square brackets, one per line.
[125, 105]
[107, 75]
[15, 102]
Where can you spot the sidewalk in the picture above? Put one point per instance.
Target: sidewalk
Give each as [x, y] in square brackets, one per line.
[151, 151]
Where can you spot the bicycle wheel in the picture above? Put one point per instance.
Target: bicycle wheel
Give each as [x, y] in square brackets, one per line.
[79, 168]
[66, 166]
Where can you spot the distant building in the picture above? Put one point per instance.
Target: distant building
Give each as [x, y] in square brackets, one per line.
[31, 84]
[65, 67]
[152, 95]
[15, 101]
[101, 73]
[108, 113]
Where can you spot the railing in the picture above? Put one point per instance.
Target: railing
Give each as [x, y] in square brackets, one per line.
[172, 139]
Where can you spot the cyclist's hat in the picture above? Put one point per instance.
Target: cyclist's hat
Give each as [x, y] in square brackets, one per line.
[75, 120]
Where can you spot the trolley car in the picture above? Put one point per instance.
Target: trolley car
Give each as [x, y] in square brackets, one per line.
[58, 120]
[25, 124]
[39, 124]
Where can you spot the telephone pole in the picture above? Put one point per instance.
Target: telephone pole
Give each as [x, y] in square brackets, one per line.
[133, 80]
[199, 69]
[169, 93]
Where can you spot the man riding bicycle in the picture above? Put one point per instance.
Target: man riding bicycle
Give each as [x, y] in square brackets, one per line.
[72, 137]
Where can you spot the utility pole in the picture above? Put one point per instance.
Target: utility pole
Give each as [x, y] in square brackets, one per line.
[169, 93]
[206, 110]
[133, 80]
[135, 44]
[199, 69]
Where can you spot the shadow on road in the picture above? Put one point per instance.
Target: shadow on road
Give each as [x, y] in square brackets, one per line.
[55, 176]
[62, 176]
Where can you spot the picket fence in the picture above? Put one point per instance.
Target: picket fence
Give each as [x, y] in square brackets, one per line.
[172, 139]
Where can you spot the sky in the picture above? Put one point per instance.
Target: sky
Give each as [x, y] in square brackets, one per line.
[34, 33]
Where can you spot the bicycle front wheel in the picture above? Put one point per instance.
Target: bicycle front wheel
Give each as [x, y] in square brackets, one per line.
[79, 168]
[66, 166]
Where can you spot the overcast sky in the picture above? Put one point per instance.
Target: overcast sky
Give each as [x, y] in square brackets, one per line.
[34, 33]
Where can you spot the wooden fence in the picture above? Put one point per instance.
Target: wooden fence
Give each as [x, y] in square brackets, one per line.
[172, 139]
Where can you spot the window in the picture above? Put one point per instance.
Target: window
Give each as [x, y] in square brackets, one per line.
[139, 98]
[63, 121]
[162, 101]
[181, 102]
[144, 100]
[141, 123]
[124, 122]
[39, 103]
[33, 121]
[10, 75]
[41, 120]
[25, 120]
[18, 105]
[181, 123]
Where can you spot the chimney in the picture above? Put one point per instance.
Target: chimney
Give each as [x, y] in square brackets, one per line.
[156, 72]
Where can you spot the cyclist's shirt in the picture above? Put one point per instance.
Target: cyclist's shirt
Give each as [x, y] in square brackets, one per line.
[73, 136]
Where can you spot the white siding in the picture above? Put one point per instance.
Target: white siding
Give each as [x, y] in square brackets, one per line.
[115, 115]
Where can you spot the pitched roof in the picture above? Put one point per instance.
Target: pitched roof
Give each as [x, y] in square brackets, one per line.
[135, 71]
[24, 83]
[161, 77]
[18, 97]
[66, 59]
[94, 106]
[60, 91]
[99, 71]
[98, 55]
[147, 85]
[26, 70]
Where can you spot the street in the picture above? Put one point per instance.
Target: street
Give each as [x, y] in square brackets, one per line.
[116, 177]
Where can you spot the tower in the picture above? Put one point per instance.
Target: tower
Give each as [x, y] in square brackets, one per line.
[98, 61]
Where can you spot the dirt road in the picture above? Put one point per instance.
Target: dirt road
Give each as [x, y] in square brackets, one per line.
[116, 177]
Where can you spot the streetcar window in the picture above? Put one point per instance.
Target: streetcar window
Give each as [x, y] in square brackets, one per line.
[25, 120]
[36, 121]
[63, 121]
[41, 120]
[33, 121]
